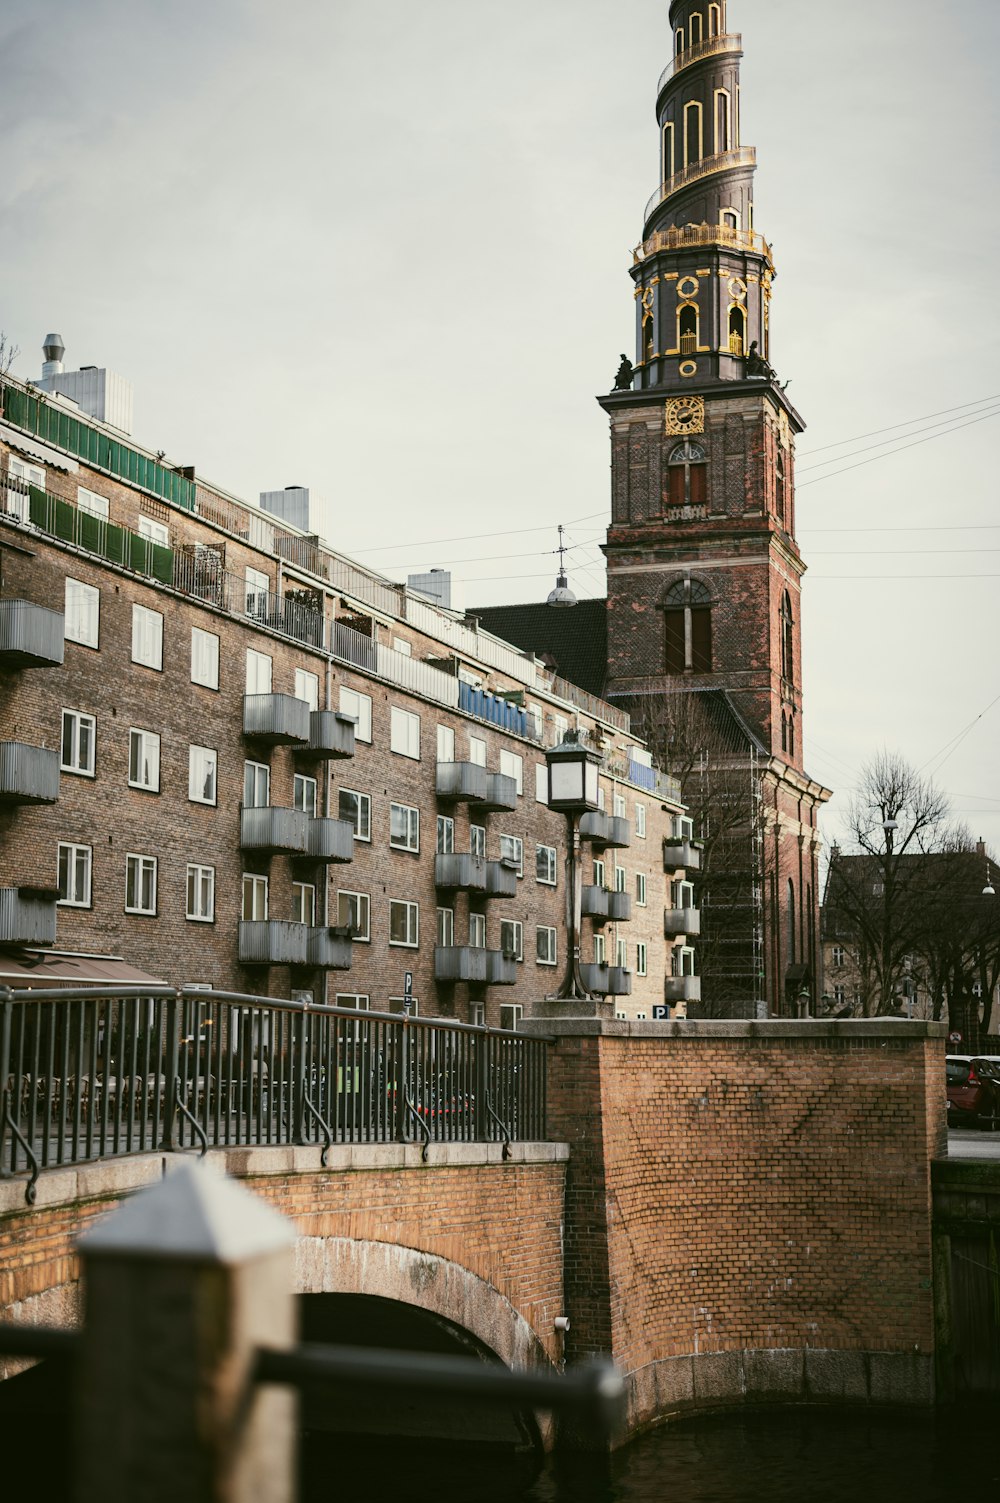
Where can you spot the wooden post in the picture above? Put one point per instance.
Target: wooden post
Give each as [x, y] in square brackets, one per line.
[182, 1284]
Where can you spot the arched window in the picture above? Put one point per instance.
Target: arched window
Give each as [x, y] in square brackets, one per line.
[687, 475]
[687, 613]
[687, 329]
[697, 28]
[679, 41]
[779, 488]
[694, 148]
[648, 345]
[737, 330]
[722, 120]
[715, 20]
[791, 733]
[791, 922]
[729, 219]
[668, 151]
[784, 731]
[787, 638]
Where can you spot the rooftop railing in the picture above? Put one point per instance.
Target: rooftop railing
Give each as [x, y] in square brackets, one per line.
[679, 237]
[711, 47]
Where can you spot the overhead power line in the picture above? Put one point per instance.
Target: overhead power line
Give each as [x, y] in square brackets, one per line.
[473, 537]
[949, 425]
[915, 444]
[893, 427]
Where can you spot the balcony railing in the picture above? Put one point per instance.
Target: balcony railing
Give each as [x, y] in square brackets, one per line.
[501, 792]
[462, 782]
[682, 237]
[329, 949]
[28, 774]
[606, 829]
[619, 981]
[501, 880]
[596, 978]
[680, 854]
[27, 916]
[501, 968]
[73, 524]
[278, 718]
[711, 47]
[679, 921]
[682, 989]
[460, 871]
[460, 963]
[330, 840]
[619, 907]
[31, 636]
[724, 161]
[331, 735]
[594, 903]
[273, 830]
[273, 942]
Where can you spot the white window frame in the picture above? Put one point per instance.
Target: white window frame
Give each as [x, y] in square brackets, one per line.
[204, 658]
[511, 1014]
[445, 928]
[257, 887]
[147, 637]
[410, 840]
[200, 898]
[477, 751]
[137, 868]
[402, 646]
[259, 672]
[640, 821]
[445, 743]
[477, 1014]
[619, 805]
[541, 783]
[477, 931]
[641, 959]
[203, 765]
[77, 719]
[404, 733]
[92, 503]
[258, 587]
[358, 1000]
[445, 835]
[640, 889]
[512, 766]
[551, 859]
[304, 903]
[82, 614]
[75, 853]
[362, 820]
[512, 849]
[546, 945]
[621, 879]
[600, 950]
[154, 532]
[361, 904]
[143, 749]
[621, 954]
[307, 687]
[359, 707]
[305, 794]
[260, 772]
[477, 841]
[412, 923]
[514, 929]
[18, 504]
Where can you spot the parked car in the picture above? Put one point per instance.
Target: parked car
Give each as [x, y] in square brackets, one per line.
[973, 1086]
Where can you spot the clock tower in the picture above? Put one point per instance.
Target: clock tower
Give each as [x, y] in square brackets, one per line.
[704, 569]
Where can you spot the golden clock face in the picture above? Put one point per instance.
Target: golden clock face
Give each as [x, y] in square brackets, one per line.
[685, 415]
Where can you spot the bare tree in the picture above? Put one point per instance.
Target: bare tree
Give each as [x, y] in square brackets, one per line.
[8, 354]
[960, 944]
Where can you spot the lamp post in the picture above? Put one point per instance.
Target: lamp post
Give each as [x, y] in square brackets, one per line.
[573, 790]
[889, 827]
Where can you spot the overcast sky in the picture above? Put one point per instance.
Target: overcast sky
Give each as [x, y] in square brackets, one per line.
[380, 249]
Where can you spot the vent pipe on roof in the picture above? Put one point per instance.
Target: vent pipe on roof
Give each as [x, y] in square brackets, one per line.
[53, 349]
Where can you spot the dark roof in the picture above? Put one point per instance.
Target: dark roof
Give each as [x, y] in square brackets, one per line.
[573, 640]
[721, 715]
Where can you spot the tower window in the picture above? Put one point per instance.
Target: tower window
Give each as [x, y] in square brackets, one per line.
[668, 151]
[730, 219]
[779, 489]
[722, 120]
[687, 614]
[715, 20]
[791, 922]
[787, 638]
[687, 476]
[697, 28]
[693, 146]
[679, 41]
[737, 330]
[791, 733]
[648, 348]
[687, 329]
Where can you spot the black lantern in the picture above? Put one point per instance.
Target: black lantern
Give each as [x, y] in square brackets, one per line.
[573, 776]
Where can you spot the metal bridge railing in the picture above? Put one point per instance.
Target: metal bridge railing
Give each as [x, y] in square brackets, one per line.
[92, 1073]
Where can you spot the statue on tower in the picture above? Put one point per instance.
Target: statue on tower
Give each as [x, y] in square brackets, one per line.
[757, 365]
[626, 372]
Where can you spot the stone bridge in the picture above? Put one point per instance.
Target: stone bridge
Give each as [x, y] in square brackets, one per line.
[733, 1211]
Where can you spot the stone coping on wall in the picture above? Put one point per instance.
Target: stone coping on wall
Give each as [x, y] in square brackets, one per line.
[107, 1179]
[691, 1031]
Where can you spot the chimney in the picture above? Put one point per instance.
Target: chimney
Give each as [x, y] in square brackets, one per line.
[53, 349]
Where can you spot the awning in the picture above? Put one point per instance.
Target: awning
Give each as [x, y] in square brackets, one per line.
[29, 968]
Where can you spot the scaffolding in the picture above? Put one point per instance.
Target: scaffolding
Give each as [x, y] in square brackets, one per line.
[727, 798]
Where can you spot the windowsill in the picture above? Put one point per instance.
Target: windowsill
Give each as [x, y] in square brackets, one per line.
[194, 918]
[77, 772]
[404, 944]
[405, 850]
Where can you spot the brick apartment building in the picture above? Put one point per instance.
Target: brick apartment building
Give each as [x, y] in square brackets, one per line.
[223, 745]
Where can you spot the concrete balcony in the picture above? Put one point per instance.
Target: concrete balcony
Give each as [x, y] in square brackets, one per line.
[619, 981]
[682, 921]
[594, 903]
[460, 963]
[28, 774]
[31, 636]
[28, 915]
[330, 840]
[501, 880]
[273, 942]
[596, 978]
[275, 831]
[501, 793]
[331, 736]
[329, 949]
[462, 782]
[606, 830]
[681, 855]
[619, 907]
[460, 872]
[501, 969]
[682, 989]
[280, 719]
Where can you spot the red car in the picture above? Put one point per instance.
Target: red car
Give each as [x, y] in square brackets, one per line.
[973, 1090]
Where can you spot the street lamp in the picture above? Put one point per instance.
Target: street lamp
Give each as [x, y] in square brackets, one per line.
[573, 790]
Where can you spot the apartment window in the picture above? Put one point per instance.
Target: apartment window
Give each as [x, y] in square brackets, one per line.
[154, 532]
[258, 672]
[640, 889]
[512, 766]
[359, 707]
[445, 835]
[307, 687]
[204, 658]
[357, 1000]
[144, 760]
[74, 875]
[477, 751]
[202, 774]
[477, 931]
[510, 1016]
[541, 783]
[258, 585]
[640, 821]
[545, 864]
[838, 955]
[640, 959]
[600, 799]
[140, 884]
[512, 851]
[18, 502]
[83, 613]
[356, 808]
[621, 954]
[147, 637]
[404, 827]
[404, 733]
[512, 938]
[545, 946]
[682, 894]
[600, 950]
[445, 743]
[620, 879]
[446, 927]
[79, 743]
[256, 785]
[404, 923]
[254, 897]
[201, 894]
[477, 1014]
[598, 873]
[90, 502]
[477, 841]
[304, 794]
[354, 912]
[619, 805]
[561, 726]
[402, 646]
[303, 903]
